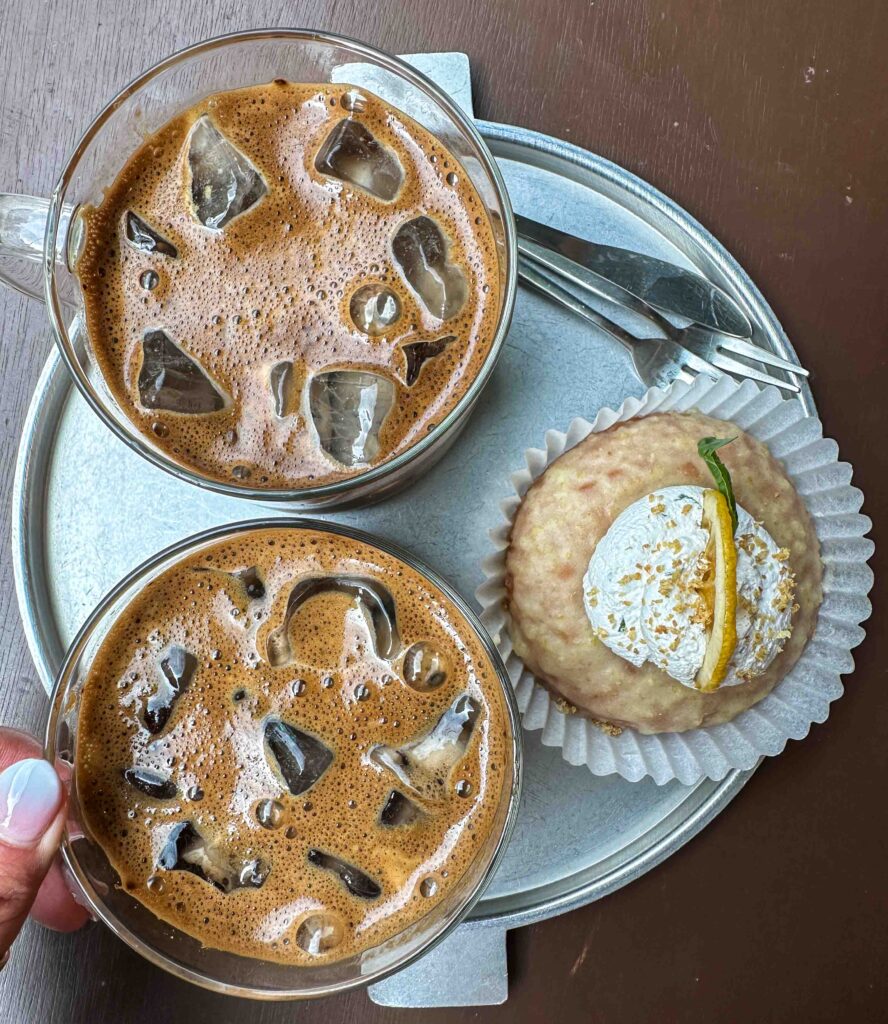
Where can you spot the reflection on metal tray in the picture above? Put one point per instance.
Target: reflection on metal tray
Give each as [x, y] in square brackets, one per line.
[87, 510]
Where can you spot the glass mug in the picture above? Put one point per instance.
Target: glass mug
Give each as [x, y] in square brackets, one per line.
[180, 954]
[39, 240]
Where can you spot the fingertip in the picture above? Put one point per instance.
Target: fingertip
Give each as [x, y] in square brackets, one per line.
[31, 798]
[54, 906]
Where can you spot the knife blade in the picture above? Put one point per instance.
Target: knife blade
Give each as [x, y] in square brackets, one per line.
[662, 285]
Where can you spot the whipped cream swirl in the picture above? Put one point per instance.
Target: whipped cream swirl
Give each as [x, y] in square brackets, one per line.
[642, 590]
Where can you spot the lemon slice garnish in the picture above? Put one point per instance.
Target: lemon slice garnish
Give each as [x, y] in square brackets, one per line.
[722, 591]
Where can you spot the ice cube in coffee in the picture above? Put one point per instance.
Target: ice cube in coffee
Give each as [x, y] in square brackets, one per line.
[287, 285]
[292, 745]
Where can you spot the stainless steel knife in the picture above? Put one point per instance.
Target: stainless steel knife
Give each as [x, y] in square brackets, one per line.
[662, 285]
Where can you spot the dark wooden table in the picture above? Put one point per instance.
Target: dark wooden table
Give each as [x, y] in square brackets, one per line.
[766, 119]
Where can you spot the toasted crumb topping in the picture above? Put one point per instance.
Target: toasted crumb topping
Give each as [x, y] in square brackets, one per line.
[565, 707]
[607, 727]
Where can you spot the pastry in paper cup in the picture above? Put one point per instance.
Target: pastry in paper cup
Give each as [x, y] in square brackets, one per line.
[592, 598]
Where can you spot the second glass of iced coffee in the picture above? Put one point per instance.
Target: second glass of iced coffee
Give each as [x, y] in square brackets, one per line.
[293, 279]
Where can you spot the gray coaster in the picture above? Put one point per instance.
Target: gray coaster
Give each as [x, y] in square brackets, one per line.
[450, 71]
[467, 969]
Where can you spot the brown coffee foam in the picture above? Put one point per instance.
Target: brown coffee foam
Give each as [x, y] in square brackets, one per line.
[295, 258]
[216, 744]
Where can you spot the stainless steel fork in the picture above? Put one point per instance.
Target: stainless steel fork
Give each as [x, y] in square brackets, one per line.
[679, 355]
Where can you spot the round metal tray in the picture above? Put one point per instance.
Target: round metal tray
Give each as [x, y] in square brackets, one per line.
[87, 510]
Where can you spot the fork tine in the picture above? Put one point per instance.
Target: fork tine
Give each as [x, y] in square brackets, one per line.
[692, 361]
[750, 351]
[734, 366]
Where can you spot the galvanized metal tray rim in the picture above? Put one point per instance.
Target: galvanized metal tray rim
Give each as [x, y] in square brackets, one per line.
[673, 835]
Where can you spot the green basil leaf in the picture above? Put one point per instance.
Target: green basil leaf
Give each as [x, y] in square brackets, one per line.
[706, 448]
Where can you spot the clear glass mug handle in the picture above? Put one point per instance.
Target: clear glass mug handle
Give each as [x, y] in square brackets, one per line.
[22, 228]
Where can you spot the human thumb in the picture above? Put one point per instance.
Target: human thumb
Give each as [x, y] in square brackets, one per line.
[32, 801]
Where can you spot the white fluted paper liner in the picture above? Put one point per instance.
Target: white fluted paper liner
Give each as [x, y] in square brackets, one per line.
[804, 695]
